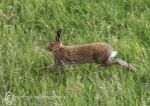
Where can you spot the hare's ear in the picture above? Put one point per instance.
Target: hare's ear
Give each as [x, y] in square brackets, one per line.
[58, 34]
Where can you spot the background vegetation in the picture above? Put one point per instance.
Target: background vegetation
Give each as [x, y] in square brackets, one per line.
[27, 26]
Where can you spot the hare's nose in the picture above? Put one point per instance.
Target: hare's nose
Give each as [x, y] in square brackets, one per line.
[47, 47]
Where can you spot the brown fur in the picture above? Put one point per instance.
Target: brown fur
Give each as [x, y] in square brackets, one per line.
[99, 53]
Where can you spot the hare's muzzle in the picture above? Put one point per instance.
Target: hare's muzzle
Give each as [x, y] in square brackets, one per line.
[49, 48]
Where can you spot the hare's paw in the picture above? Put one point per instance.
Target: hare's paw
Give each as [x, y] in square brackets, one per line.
[54, 67]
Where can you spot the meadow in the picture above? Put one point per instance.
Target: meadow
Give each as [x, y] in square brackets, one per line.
[27, 26]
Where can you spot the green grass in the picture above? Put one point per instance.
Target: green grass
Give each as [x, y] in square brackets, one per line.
[124, 24]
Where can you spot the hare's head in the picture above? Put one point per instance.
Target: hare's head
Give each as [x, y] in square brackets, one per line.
[56, 43]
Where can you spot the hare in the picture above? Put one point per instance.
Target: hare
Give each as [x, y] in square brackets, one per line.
[99, 53]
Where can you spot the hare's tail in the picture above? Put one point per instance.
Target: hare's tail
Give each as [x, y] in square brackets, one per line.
[113, 54]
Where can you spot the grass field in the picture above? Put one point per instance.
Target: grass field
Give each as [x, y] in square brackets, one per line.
[27, 26]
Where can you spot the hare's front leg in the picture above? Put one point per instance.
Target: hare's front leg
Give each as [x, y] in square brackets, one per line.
[56, 65]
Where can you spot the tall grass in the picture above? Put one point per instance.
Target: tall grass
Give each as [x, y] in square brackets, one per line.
[124, 24]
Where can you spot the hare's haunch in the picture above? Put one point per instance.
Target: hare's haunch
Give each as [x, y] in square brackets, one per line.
[99, 53]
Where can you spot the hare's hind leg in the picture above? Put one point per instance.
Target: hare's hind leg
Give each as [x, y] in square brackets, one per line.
[124, 64]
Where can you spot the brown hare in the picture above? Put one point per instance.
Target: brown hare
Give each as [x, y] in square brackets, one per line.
[99, 53]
